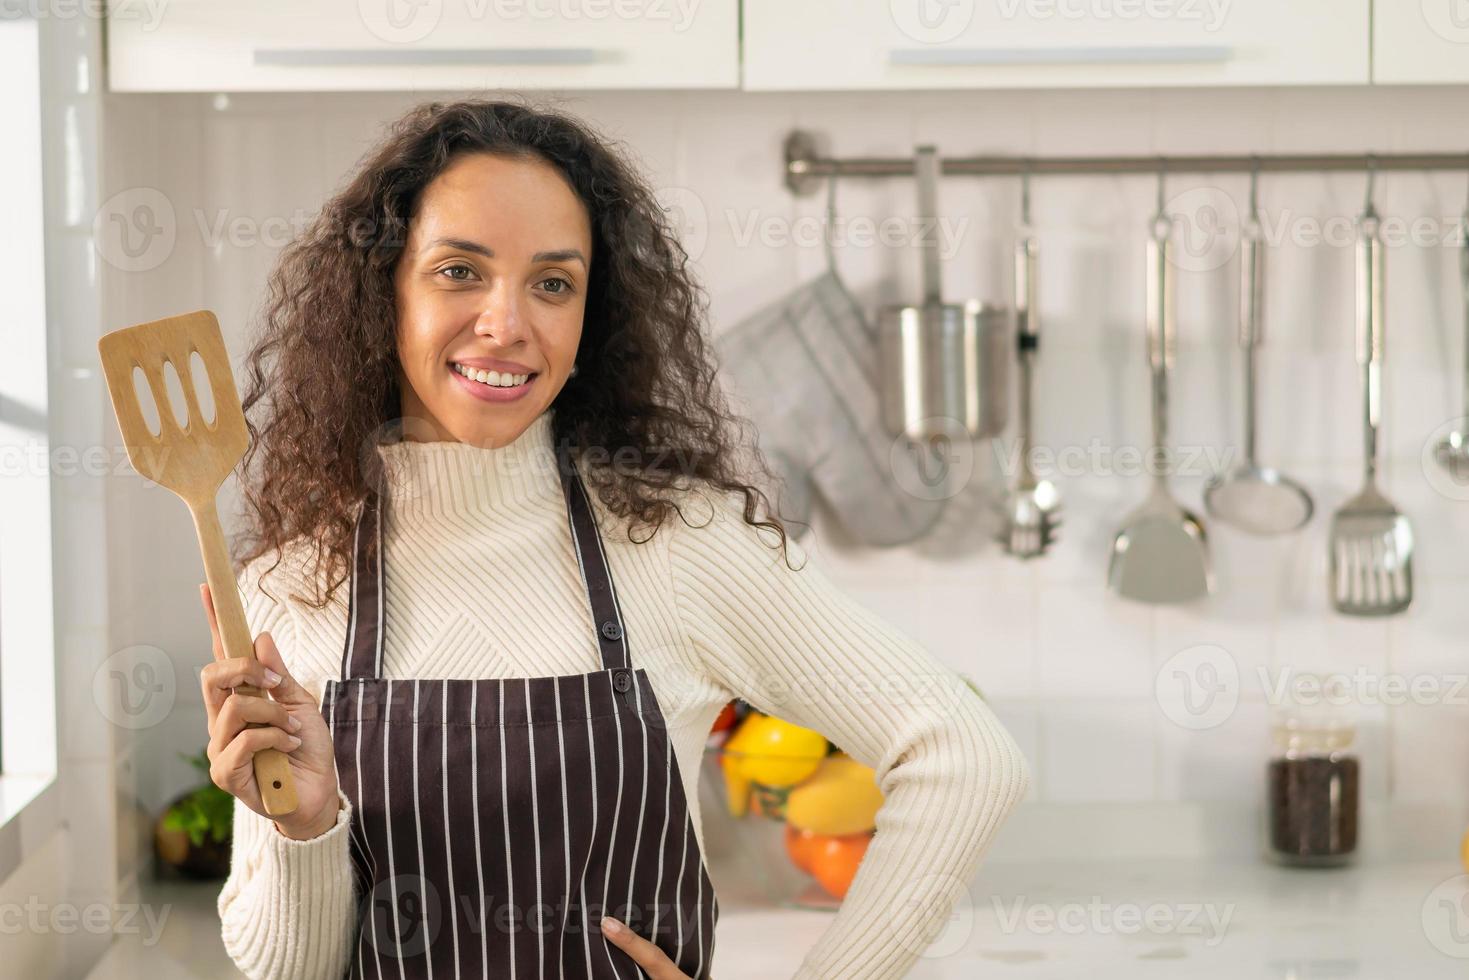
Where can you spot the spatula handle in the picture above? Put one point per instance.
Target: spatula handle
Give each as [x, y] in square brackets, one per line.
[1161, 329]
[272, 767]
[1464, 283]
[1371, 305]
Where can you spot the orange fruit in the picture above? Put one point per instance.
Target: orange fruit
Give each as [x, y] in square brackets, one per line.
[798, 847]
[834, 861]
[725, 721]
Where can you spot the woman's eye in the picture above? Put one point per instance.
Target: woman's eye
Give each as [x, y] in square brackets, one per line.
[457, 268]
[563, 283]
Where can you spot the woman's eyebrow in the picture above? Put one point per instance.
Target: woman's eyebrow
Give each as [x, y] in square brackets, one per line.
[465, 245]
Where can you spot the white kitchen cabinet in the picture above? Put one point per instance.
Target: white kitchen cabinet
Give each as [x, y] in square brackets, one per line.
[343, 45]
[1420, 41]
[943, 44]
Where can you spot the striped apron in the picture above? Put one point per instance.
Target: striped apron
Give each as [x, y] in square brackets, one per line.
[496, 821]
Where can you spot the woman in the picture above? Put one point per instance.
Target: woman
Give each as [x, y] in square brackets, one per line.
[483, 387]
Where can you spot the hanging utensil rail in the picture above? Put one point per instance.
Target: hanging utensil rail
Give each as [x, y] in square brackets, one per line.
[806, 168]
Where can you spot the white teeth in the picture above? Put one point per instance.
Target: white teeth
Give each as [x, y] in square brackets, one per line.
[492, 378]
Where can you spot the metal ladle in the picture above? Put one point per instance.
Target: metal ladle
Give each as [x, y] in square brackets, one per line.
[1252, 497]
[1452, 452]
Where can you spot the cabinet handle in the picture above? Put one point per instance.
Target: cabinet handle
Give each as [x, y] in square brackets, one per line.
[1156, 55]
[337, 57]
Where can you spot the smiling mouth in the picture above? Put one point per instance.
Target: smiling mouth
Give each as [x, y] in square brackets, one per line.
[493, 379]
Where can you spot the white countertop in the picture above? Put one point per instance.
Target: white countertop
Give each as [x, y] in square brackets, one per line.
[1138, 921]
[1240, 922]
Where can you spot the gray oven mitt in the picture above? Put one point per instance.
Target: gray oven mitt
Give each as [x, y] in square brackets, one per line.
[806, 370]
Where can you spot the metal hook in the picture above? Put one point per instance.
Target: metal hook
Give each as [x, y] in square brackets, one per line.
[1161, 225]
[1255, 189]
[1250, 227]
[1466, 210]
[1025, 193]
[827, 246]
[1162, 174]
[1368, 211]
[830, 221]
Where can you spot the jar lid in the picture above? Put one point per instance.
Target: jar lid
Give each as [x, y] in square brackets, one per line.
[1313, 714]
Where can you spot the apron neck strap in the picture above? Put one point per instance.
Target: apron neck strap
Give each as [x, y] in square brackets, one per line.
[591, 558]
[362, 653]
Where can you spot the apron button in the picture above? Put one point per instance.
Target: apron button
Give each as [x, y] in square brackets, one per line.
[611, 630]
[622, 682]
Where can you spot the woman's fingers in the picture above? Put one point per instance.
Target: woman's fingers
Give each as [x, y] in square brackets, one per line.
[232, 769]
[288, 691]
[242, 710]
[282, 715]
[206, 597]
[643, 953]
[219, 679]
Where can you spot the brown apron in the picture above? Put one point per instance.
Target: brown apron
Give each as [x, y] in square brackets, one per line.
[496, 821]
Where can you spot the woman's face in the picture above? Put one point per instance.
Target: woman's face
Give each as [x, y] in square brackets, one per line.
[490, 292]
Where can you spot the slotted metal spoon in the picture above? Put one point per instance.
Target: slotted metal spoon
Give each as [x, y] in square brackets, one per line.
[1161, 554]
[1371, 546]
[193, 460]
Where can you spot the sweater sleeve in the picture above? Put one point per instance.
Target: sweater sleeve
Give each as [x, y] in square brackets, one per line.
[287, 908]
[795, 646]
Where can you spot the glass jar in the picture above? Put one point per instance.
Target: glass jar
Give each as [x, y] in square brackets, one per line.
[1313, 779]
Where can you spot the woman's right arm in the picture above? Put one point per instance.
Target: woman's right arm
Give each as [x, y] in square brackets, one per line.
[288, 908]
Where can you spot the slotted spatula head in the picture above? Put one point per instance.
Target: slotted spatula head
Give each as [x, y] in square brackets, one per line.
[1371, 557]
[194, 460]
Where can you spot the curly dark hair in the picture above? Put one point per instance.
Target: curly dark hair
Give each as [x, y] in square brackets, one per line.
[645, 390]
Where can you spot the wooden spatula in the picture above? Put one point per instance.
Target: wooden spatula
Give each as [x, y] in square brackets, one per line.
[193, 461]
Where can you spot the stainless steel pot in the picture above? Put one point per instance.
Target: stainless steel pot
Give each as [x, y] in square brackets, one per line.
[945, 366]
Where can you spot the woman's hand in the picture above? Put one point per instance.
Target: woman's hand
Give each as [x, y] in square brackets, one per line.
[643, 953]
[293, 724]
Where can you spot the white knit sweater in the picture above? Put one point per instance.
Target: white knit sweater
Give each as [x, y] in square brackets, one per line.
[482, 582]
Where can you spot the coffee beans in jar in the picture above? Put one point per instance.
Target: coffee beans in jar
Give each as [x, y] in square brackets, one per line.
[1313, 788]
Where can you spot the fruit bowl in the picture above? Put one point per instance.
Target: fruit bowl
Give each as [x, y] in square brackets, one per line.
[787, 817]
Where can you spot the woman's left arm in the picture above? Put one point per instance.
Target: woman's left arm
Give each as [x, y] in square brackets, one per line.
[795, 646]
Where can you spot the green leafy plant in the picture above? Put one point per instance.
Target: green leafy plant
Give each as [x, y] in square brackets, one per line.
[207, 812]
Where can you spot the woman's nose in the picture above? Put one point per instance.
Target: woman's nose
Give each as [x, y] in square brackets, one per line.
[502, 317]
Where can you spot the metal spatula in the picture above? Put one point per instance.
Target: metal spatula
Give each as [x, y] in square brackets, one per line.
[1371, 556]
[193, 460]
[1161, 554]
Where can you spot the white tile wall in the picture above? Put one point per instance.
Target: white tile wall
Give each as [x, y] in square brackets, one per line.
[1069, 668]
[66, 855]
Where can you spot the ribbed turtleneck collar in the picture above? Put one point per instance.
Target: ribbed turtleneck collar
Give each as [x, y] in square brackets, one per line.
[441, 478]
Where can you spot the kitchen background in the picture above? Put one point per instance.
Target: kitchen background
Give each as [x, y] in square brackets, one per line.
[160, 201]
